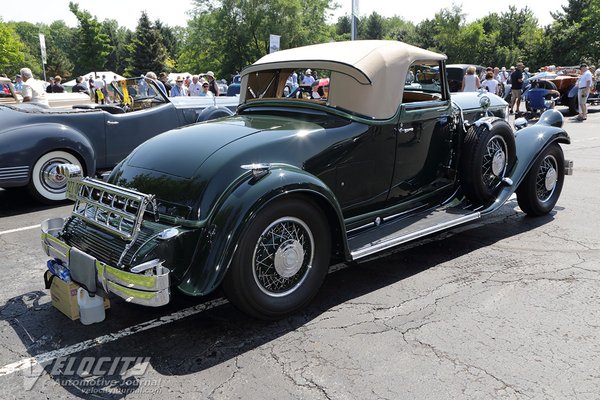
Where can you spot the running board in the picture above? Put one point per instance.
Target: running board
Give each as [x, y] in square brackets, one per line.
[404, 230]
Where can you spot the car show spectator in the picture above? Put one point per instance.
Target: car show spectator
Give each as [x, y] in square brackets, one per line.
[502, 76]
[584, 85]
[205, 91]
[152, 75]
[179, 89]
[57, 87]
[315, 91]
[195, 87]
[490, 84]
[212, 83]
[308, 78]
[164, 78]
[470, 82]
[33, 90]
[48, 85]
[113, 91]
[18, 84]
[79, 86]
[99, 91]
[516, 81]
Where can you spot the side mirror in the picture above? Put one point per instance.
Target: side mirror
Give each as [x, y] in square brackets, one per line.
[520, 123]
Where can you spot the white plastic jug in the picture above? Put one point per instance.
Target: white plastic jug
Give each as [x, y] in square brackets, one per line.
[91, 309]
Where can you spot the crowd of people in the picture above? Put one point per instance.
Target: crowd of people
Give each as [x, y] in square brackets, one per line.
[191, 85]
[495, 79]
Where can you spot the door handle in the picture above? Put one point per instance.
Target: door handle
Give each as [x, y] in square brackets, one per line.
[112, 122]
[405, 130]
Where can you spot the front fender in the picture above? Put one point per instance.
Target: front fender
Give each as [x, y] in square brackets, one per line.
[22, 146]
[238, 208]
[530, 142]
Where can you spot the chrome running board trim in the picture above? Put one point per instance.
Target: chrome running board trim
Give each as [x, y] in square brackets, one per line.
[395, 241]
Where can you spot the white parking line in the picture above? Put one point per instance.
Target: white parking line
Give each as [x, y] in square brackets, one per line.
[26, 228]
[41, 359]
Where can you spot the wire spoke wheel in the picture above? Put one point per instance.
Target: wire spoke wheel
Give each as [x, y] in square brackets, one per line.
[494, 162]
[538, 193]
[546, 178]
[283, 256]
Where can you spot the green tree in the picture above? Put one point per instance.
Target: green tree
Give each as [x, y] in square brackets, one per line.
[93, 45]
[148, 51]
[60, 40]
[119, 38]
[342, 28]
[234, 33]
[29, 36]
[171, 42]
[11, 54]
[574, 33]
[373, 27]
[396, 28]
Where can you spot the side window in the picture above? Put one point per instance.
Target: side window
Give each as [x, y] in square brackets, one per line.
[422, 82]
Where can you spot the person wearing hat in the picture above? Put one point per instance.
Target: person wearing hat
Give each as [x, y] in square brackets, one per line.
[516, 81]
[33, 90]
[205, 91]
[212, 83]
[584, 84]
[56, 86]
[179, 89]
[308, 78]
[18, 84]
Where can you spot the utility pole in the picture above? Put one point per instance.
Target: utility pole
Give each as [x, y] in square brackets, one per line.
[354, 18]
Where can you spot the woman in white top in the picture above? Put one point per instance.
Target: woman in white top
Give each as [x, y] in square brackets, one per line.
[471, 82]
[490, 83]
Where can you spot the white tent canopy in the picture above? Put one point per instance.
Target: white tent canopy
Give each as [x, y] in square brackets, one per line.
[109, 76]
[173, 75]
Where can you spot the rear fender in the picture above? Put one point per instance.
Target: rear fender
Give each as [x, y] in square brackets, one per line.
[24, 145]
[238, 209]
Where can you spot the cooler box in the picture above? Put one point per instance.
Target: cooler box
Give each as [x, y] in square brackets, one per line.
[64, 296]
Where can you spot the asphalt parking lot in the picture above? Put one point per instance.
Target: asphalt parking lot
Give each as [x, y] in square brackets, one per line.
[506, 308]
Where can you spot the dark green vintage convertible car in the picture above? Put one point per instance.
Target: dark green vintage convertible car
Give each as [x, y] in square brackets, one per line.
[262, 202]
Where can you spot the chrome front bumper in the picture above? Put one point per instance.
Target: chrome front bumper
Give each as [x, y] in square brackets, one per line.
[150, 288]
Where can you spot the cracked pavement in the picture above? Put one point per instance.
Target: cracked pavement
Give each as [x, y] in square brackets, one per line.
[507, 308]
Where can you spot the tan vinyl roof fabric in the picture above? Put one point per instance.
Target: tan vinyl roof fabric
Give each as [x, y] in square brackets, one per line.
[367, 76]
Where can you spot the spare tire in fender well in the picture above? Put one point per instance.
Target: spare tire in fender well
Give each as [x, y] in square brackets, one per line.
[213, 112]
[488, 154]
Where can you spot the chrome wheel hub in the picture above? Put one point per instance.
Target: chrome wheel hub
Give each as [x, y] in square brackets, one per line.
[50, 178]
[551, 179]
[498, 162]
[288, 258]
[494, 161]
[546, 179]
[283, 256]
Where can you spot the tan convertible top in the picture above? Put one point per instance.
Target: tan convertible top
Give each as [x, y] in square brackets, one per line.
[367, 76]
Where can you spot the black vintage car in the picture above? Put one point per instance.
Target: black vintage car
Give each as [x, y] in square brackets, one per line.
[262, 202]
[34, 139]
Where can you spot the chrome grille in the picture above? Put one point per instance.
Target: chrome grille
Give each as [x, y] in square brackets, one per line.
[114, 209]
[107, 248]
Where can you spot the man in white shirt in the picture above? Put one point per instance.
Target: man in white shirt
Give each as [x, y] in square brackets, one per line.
[33, 90]
[195, 87]
[585, 85]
